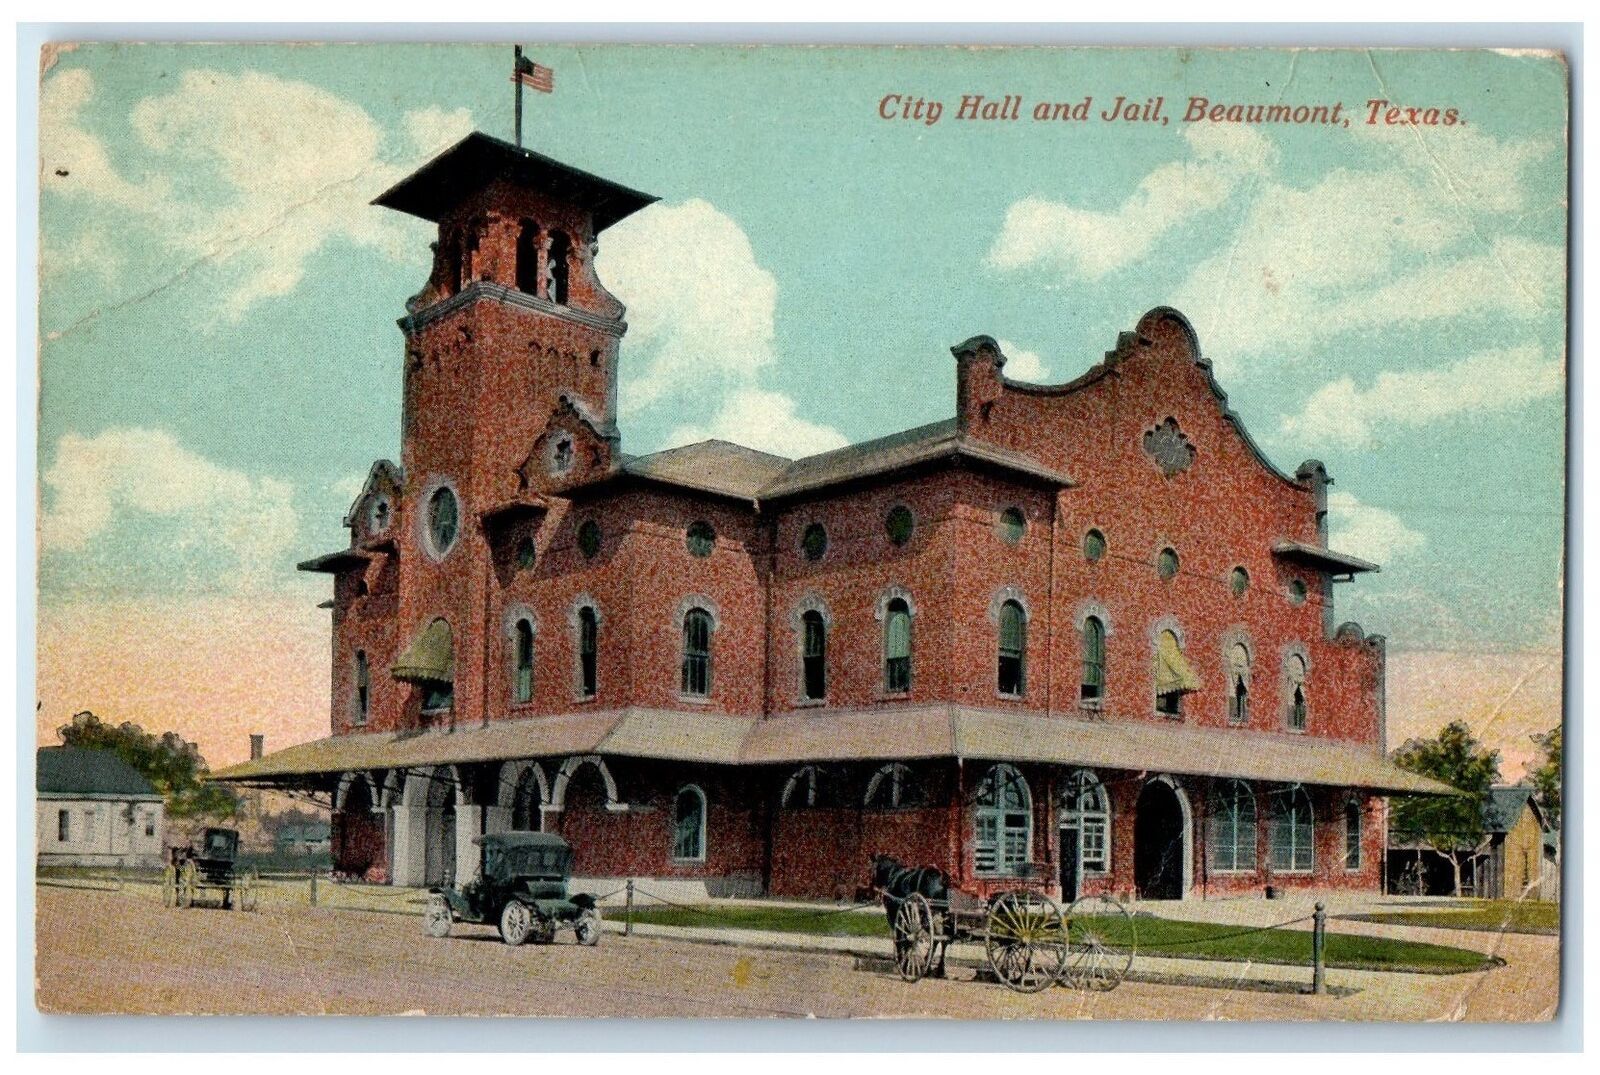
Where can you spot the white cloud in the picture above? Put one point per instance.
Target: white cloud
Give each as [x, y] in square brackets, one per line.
[1090, 243]
[1371, 533]
[1467, 167]
[1024, 365]
[764, 420]
[116, 484]
[1492, 380]
[295, 166]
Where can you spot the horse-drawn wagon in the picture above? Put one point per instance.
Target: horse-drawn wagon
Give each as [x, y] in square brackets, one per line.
[1029, 942]
[213, 867]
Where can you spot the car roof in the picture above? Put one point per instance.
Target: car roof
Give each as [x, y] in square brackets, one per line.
[521, 839]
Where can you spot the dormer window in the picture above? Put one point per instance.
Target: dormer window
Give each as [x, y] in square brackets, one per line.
[380, 514]
[561, 458]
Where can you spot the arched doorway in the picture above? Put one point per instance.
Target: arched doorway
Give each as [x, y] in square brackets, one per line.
[1160, 842]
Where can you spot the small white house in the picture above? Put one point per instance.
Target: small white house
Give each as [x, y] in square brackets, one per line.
[95, 809]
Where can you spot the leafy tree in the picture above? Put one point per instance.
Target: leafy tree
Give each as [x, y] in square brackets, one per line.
[173, 766]
[1547, 777]
[1450, 824]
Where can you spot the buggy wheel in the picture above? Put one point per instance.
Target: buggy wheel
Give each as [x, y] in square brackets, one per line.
[587, 928]
[169, 887]
[516, 922]
[188, 885]
[1026, 941]
[436, 917]
[914, 942]
[1102, 938]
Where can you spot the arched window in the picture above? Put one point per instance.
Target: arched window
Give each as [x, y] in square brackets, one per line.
[1004, 818]
[893, 787]
[1085, 808]
[696, 680]
[525, 813]
[1174, 677]
[1352, 835]
[1239, 684]
[807, 786]
[588, 652]
[528, 258]
[1013, 649]
[814, 656]
[1292, 831]
[363, 686]
[1231, 827]
[1093, 687]
[558, 269]
[689, 825]
[1295, 671]
[897, 647]
[522, 662]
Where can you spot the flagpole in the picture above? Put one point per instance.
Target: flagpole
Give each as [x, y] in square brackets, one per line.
[516, 77]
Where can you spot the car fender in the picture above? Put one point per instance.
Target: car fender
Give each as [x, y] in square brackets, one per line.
[457, 902]
[584, 901]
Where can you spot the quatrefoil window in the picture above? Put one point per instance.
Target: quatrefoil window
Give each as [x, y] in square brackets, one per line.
[1167, 445]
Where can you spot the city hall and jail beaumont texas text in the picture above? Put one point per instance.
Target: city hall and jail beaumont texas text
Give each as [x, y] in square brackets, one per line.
[1375, 112]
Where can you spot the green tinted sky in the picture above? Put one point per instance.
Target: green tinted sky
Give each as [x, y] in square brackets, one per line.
[221, 363]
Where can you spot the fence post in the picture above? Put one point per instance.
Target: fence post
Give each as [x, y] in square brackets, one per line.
[314, 888]
[627, 915]
[1319, 947]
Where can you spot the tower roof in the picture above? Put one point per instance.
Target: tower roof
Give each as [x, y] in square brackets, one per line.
[478, 160]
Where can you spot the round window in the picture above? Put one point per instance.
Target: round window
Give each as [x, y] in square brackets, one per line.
[898, 524]
[1239, 581]
[526, 553]
[1094, 546]
[1297, 592]
[814, 542]
[589, 539]
[701, 538]
[1167, 563]
[444, 520]
[1013, 524]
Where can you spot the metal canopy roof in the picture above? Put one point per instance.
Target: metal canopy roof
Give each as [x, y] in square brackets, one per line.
[478, 160]
[1320, 559]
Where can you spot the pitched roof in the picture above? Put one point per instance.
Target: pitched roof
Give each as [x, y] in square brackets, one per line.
[80, 773]
[710, 466]
[1503, 808]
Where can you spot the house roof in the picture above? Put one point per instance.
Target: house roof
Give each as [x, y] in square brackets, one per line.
[1503, 808]
[939, 731]
[73, 772]
[711, 466]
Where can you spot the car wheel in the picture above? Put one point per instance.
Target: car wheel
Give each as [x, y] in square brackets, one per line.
[516, 922]
[436, 919]
[587, 928]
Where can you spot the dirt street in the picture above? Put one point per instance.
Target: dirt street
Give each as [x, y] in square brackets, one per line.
[123, 952]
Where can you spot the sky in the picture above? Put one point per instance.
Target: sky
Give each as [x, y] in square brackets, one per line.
[220, 364]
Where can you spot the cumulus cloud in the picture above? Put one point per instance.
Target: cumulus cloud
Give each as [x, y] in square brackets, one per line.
[1500, 379]
[1369, 532]
[272, 170]
[1091, 243]
[136, 496]
[766, 421]
[1024, 365]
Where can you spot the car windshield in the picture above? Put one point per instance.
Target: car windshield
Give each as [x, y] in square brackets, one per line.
[523, 861]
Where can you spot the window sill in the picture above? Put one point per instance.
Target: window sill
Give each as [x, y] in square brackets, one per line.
[1233, 873]
[1295, 731]
[894, 696]
[1091, 703]
[696, 700]
[1290, 873]
[688, 862]
[585, 699]
[1004, 697]
[810, 703]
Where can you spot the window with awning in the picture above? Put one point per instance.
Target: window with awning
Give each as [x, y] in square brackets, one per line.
[430, 660]
[1174, 677]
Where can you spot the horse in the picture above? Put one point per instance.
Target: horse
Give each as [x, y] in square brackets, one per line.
[896, 882]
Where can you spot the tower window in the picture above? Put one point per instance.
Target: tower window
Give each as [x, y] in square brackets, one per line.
[1167, 563]
[522, 668]
[814, 542]
[1239, 581]
[1297, 592]
[696, 678]
[558, 270]
[528, 258]
[444, 520]
[362, 687]
[1012, 672]
[588, 652]
[1094, 546]
[814, 656]
[1093, 686]
[1239, 678]
[897, 647]
[1012, 526]
[898, 524]
[701, 538]
[1296, 673]
[589, 539]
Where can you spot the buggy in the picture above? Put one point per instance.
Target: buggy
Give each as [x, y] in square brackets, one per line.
[213, 868]
[522, 891]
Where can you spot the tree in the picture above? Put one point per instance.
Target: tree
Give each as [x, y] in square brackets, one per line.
[1547, 777]
[1452, 825]
[172, 765]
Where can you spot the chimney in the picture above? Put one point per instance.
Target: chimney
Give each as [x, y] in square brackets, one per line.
[979, 382]
[258, 744]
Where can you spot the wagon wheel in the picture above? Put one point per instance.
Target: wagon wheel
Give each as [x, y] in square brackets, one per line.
[587, 928]
[436, 917]
[188, 885]
[169, 886]
[250, 891]
[914, 941]
[1026, 941]
[1103, 940]
[516, 922]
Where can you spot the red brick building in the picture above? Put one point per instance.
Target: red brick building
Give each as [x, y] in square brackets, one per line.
[1083, 629]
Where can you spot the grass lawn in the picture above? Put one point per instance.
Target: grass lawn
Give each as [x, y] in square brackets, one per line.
[1152, 936]
[1495, 916]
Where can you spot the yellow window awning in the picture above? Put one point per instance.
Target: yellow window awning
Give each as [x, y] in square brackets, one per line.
[429, 659]
[1173, 674]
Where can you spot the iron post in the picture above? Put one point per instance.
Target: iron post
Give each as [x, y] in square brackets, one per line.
[1319, 947]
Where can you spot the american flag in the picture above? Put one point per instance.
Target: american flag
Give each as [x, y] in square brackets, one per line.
[534, 76]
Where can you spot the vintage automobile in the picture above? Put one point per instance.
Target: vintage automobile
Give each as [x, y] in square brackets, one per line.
[522, 891]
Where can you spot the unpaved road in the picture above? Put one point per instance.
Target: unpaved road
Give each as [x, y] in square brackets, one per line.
[123, 952]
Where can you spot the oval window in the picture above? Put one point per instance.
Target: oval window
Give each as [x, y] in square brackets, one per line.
[526, 554]
[898, 524]
[701, 538]
[589, 539]
[1013, 524]
[1167, 563]
[814, 542]
[1094, 546]
[1297, 592]
[444, 520]
[1239, 581]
